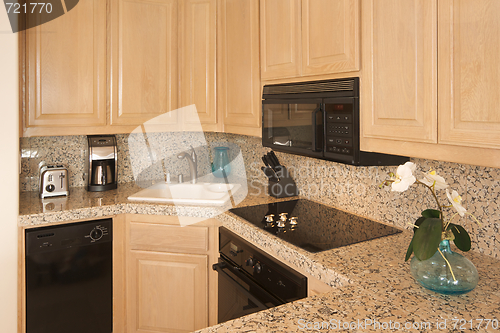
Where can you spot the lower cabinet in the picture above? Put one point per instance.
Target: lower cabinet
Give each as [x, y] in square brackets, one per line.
[170, 286]
[168, 292]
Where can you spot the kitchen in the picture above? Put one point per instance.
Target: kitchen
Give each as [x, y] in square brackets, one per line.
[470, 151]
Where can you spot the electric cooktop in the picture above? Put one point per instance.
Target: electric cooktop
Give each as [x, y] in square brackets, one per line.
[312, 226]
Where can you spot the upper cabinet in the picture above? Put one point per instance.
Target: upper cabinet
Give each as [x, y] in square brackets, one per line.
[309, 37]
[330, 36]
[280, 38]
[143, 61]
[197, 48]
[117, 65]
[238, 82]
[426, 101]
[65, 71]
[468, 73]
[398, 92]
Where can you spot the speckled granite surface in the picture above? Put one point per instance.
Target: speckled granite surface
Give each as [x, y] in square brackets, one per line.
[81, 204]
[141, 157]
[372, 285]
[371, 279]
[354, 189]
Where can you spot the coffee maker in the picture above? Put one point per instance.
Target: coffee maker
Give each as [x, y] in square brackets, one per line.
[101, 163]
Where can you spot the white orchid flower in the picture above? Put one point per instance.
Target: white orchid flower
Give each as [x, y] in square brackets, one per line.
[456, 201]
[404, 177]
[432, 179]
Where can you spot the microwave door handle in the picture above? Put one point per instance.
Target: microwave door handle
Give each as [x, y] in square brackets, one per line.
[315, 129]
[219, 268]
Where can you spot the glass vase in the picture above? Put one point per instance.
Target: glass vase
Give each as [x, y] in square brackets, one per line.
[221, 167]
[435, 274]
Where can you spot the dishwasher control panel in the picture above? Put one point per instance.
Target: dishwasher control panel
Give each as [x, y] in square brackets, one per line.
[97, 233]
[51, 238]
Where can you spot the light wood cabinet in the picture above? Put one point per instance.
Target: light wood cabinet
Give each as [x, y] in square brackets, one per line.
[170, 285]
[280, 30]
[139, 61]
[399, 95]
[302, 38]
[468, 74]
[330, 36]
[430, 78]
[65, 71]
[169, 292]
[143, 65]
[238, 83]
[197, 47]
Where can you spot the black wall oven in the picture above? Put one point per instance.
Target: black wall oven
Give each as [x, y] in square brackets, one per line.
[318, 119]
[250, 280]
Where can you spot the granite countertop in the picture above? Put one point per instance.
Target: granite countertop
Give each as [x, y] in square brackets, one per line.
[371, 282]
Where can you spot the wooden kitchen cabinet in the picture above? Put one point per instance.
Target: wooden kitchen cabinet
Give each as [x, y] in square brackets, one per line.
[197, 54]
[143, 66]
[468, 75]
[138, 61]
[280, 32]
[170, 285]
[330, 36]
[399, 95]
[170, 292]
[238, 82]
[426, 101]
[64, 72]
[309, 37]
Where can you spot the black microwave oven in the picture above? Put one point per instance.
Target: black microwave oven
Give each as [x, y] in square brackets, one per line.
[318, 119]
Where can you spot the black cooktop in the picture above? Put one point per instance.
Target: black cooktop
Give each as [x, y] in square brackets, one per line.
[319, 227]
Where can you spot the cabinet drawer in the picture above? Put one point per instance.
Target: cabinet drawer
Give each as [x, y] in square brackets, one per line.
[158, 237]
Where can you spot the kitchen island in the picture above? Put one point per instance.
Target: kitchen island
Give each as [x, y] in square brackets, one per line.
[372, 286]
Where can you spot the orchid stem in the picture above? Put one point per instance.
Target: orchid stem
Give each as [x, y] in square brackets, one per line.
[475, 219]
[449, 221]
[431, 188]
[448, 263]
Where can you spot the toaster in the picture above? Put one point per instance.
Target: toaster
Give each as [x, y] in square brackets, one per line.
[53, 181]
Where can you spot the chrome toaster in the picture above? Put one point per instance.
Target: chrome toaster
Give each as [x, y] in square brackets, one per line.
[53, 181]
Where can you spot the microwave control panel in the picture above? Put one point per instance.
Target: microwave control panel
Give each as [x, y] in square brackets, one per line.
[339, 128]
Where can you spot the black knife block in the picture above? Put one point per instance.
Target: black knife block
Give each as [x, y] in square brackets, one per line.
[284, 187]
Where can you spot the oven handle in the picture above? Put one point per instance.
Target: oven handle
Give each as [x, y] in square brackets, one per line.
[315, 128]
[219, 268]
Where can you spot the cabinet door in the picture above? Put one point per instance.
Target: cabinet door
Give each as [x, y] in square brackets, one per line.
[280, 44]
[143, 62]
[469, 76]
[197, 46]
[66, 71]
[330, 36]
[239, 90]
[167, 292]
[398, 92]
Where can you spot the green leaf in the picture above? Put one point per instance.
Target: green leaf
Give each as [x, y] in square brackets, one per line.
[429, 213]
[418, 222]
[462, 238]
[427, 238]
[410, 250]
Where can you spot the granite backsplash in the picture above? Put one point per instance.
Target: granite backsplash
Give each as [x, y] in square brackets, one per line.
[355, 189]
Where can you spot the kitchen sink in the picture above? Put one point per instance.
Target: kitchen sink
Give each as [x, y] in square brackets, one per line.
[187, 193]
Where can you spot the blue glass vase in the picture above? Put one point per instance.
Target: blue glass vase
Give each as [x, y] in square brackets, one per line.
[435, 274]
[221, 166]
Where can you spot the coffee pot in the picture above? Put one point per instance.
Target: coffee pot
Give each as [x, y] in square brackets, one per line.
[101, 159]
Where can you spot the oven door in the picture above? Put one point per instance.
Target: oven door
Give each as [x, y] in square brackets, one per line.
[293, 125]
[239, 294]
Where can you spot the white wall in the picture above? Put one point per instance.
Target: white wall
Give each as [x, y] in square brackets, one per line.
[9, 157]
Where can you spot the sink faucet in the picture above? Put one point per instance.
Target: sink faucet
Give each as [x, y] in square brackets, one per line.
[192, 160]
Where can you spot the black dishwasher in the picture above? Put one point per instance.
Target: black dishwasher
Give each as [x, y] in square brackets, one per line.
[69, 278]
